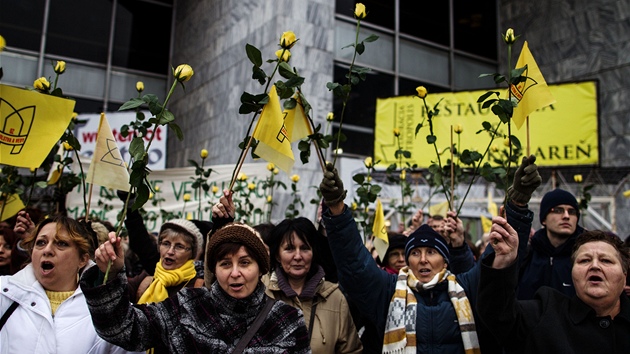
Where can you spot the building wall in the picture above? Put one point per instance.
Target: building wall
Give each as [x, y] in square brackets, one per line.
[211, 35]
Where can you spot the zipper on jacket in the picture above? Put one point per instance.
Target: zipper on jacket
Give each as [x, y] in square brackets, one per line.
[550, 261]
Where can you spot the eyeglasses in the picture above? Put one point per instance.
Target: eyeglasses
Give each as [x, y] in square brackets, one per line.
[179, 248]
[561, 210]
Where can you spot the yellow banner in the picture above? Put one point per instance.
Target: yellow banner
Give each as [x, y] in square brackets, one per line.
[563, 134]
[30, 125]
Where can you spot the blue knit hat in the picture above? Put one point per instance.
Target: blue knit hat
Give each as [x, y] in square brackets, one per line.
[554, 198]
[425, 236]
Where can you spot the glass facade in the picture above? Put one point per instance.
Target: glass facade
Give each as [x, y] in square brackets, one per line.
[108, 45]
[442, 45]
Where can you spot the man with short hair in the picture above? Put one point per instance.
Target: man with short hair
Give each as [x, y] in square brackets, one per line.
[548, 262]
[437, 223]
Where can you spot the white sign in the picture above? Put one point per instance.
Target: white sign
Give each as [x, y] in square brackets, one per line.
[86, 134]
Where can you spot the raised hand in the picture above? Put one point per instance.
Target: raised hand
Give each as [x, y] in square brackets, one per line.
[504, 240]
[224, 208]
[526, 180]
[113, 251]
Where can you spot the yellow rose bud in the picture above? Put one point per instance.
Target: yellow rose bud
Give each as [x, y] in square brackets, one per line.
[215, 189]
[396, 132]
[283, 54]
[577, 178]
[187, 197]
[359, 11]
[32, 169]
[276, 171]
[627, 193]
[183, 73]
[369, 178]
[3, 43]
[188, 216]
[458, 129]
[403, 175]
[139, 86]
[422, 91]
[494, 148]
[271, 166]
[203, 153]
[60, 68]
[368, 162]
[354, 206]
[295, 178]
[67, 146]
[251, 186]
[330, 116]
[269, 199]
[157, 188]
[287, 40]
[509, 36]
[241, 176]
[150, 195]
[42, 84]
[506, 142]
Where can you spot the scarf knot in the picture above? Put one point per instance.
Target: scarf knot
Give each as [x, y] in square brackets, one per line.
[162, 279]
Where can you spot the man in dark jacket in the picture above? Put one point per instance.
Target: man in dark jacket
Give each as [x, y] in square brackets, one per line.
[548, 262]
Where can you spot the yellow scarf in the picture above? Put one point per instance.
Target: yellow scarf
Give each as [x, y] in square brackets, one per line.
[156, 292]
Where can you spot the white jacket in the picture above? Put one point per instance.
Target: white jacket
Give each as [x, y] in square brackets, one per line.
[32, 328]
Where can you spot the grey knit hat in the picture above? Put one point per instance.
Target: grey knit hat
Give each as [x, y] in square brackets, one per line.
[188, 227]
[239, 234]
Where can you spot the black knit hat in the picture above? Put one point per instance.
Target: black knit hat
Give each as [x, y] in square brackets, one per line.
[554, 198]
[240, 234]
[395, 241]
[425, 236]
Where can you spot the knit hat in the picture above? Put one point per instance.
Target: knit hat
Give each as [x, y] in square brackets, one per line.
[395, 241]
[240, 234]
[183, 225]
[425, 236]
[554, 198]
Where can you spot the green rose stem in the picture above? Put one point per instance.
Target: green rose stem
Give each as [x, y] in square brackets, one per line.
[345, 99]
[509, 125]
[437, 153]
[85, 205]
[30, 193]
[402, 182]
[318, 149]
[271, 194]
[201, 181]
[452, 171]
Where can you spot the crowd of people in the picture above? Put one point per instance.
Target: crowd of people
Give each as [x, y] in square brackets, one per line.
[76, 286]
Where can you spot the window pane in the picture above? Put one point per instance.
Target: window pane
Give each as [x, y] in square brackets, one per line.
[407, 87]
[21, 23]
[475, 26]
[123, 86]
[378, 54]
[19, 70]
[379, 12]
[432, 26]
[84, 105]
[424, 62]
[467, 73]
[138, 42]
[79, 79]
[357, 142]
[79, 29]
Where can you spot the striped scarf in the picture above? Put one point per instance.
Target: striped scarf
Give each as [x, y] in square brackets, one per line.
[400, 326]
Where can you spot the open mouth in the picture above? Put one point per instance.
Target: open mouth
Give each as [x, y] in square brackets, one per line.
[237, 286]
[595, 278]
[168, 261]
[47, 266]
[425, 271]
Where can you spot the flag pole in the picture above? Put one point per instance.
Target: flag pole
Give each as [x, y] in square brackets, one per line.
[89, 202]
[527, 121]
[240, 162]
[452, 174]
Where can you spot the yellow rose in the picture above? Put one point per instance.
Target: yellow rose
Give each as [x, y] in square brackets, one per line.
[42, 84]
[270, 166]
[139, 86]
[494, 148]
[251, 186]
[241, 176]
[188, 216]
[283, 54]
[577, 178]
[287, 40]
[75, 116]
[60, 67]
[3, 43]
[203, 153]
[276, 171]
[369, 179]
[330, 116]
[215, 189]
[368, 162]
[509, 36]
[187, 197]
[269, 199]
[458, 129]
[359, 11]
[150, 195]
[183, 73]
[506, 142]
[295, 178]
[396, 132]
[403, 175]
[422, 91]
[156, 189]
[67, 146]
[354, 206]
[626, 193]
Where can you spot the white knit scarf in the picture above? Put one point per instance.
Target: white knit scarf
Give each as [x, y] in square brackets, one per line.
[400, 326]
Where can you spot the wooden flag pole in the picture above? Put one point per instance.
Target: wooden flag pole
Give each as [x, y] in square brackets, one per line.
[240, 162]
[527, 122]
[89, 202]
[452, 174]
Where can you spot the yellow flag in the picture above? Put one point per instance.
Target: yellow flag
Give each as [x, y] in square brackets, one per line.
[11, 206]
[107, 168]
[31, 123]
[439, 209]
[274, 144]
[531, 94]
[486, 224]
[56, 170]
[379, 230]
[296, 122]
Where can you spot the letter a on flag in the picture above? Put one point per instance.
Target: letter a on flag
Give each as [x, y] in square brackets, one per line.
[31, 123]
[531, 94]
[274, 144]
[381, 240]
[107, 168]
